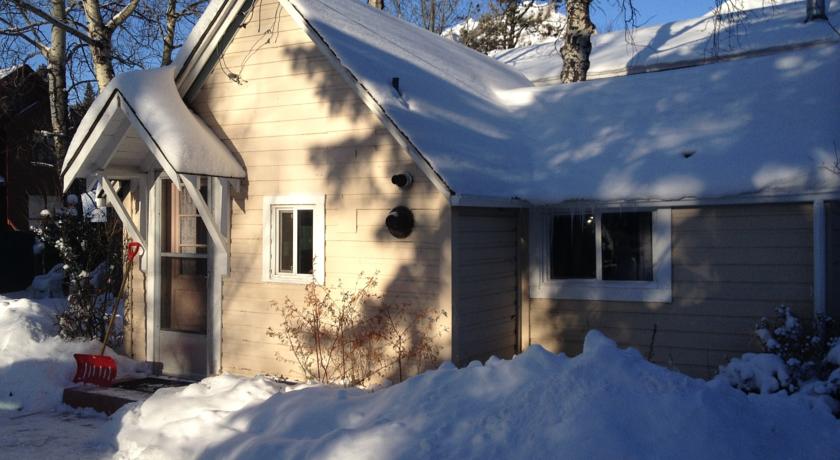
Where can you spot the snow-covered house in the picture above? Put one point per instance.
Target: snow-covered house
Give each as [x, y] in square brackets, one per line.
[668, 209]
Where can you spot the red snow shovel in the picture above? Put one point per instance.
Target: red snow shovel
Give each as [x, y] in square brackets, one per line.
[99, 369]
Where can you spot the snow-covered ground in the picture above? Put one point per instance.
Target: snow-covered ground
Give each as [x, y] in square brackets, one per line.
[35, 367]
[605, 403]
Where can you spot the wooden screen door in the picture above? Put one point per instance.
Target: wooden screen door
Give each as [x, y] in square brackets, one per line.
[183, 308]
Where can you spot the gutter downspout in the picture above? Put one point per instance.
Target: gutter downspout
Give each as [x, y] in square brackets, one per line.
[819, 258]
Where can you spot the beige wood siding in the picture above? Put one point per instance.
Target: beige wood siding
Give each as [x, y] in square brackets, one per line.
[731, 266]
[485, 283]
[299, 129]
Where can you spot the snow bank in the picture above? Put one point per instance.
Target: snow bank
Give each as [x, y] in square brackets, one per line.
[604, 403]
[35, 364]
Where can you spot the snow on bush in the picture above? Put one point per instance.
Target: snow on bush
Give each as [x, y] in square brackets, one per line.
[799, 359]
[35, 364]
[605, 403]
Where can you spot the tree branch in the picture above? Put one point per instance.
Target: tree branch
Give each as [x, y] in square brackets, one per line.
[16, 32]
[122, 15]
[55, 22]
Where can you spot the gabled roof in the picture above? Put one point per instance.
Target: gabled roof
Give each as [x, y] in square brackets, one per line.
[150, 102]
[748, 126]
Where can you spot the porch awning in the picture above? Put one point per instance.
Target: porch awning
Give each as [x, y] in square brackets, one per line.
[146, 103]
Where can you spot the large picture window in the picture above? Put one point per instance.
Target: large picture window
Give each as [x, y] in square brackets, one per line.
[293, 239]
[602, 255]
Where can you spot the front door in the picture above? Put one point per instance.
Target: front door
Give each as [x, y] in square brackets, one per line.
[183, 307]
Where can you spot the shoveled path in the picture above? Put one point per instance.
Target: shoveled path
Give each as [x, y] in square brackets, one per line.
[58, 434]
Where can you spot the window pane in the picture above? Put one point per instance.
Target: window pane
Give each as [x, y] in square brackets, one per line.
[627, 246]
[304, 228]
[286, 240]
[573, 247]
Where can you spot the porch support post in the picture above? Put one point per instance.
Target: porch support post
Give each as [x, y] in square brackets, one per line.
[122, 213]
[189, 182]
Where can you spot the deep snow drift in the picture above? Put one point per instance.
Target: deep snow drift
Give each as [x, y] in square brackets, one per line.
[35, 364]
[604, 403]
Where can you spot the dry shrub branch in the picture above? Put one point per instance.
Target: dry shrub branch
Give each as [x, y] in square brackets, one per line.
[349, 336]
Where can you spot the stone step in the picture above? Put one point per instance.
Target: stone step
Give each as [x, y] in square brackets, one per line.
[110, 399]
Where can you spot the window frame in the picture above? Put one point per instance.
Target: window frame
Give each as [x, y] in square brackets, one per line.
[544, 287]
[272, 206]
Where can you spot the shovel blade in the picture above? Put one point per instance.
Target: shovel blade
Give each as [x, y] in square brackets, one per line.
[99, 370]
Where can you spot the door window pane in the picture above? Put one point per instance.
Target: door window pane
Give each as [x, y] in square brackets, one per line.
[573, 247]
[627, 246]
[184, 295]
[304, 241]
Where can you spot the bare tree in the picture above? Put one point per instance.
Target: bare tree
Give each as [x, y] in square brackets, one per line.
[102, 20]
[509, 24]
[176, 11]
[577, 36]
[27, 35]
[432, 15]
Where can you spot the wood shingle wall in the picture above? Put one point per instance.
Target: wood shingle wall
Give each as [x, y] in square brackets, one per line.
[299, 129]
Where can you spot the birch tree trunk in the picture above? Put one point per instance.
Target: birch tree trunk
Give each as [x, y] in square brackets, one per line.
[100, 35]
[577, 43]
[100, 50]
[56, 81]
[169, 33]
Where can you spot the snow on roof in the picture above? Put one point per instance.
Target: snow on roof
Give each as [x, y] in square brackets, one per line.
[682, 43]
[760, 124]
[446, 103]
[151, 104]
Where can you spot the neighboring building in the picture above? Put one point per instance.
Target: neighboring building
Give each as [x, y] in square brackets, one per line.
[28, 180]
[25, 153]
[670, 210]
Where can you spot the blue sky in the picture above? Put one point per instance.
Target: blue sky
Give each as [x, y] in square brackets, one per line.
[604, 12]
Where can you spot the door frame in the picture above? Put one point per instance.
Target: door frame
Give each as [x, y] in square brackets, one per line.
[217, 268]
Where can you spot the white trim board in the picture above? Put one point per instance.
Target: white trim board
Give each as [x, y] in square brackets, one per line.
[122, 213]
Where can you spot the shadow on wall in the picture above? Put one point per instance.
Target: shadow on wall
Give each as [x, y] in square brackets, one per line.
[306, 132]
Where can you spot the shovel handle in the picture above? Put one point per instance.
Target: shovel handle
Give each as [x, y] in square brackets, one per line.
[133, 248]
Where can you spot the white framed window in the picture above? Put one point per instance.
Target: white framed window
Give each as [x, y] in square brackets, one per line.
[293, 239]
[618, 255]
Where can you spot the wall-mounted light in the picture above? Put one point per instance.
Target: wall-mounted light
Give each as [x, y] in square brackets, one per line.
[400, 222]
[402, 180]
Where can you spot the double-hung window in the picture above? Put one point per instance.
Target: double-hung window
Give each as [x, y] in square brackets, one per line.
[602, 255]
[293, 239]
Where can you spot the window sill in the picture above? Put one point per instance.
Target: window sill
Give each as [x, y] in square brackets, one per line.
[289, 279]
[616, 291]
